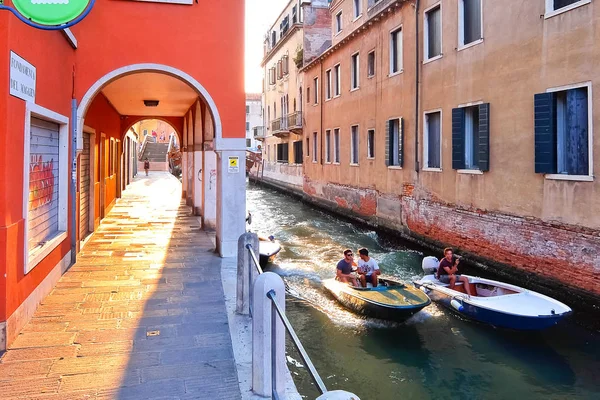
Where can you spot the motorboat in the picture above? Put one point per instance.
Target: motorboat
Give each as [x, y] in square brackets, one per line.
[390, 300]
[268, 249]
[492, 302]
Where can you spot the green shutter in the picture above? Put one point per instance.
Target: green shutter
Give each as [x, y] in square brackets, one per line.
[545, 133]
[484, 137]
[387, 143]
[458, 138]
[401, 142]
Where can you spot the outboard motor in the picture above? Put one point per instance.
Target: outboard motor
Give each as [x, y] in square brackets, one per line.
[430, 265]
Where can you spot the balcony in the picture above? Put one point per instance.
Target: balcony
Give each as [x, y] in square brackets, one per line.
[294, 122]
[259, 132]
[281, 127]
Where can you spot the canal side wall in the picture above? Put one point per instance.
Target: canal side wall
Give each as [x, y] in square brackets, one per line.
[550, 257]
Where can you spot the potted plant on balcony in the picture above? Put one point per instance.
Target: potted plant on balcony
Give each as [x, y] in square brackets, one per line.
[299, 58]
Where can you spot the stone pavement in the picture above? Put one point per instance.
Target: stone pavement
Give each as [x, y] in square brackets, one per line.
[141, 315]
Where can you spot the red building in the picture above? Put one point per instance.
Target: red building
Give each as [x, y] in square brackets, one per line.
[87, 87]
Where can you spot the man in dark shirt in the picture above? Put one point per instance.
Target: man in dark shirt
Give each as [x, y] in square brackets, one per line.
[447, 270]
[344, 268]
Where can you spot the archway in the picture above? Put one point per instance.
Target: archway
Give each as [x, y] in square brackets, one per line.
[208, 182]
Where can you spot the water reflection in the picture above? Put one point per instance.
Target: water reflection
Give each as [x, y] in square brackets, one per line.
[433, 355]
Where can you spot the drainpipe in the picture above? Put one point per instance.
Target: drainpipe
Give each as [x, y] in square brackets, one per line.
[417, 66]
[321, 107]
[73, 181]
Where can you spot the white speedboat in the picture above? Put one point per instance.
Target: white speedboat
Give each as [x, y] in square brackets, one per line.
[492, 302]
[268, 249]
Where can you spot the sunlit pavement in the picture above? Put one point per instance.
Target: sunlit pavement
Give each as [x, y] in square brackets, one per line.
[141, 315]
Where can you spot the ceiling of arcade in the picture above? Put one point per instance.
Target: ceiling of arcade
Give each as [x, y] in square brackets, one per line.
[127, 95]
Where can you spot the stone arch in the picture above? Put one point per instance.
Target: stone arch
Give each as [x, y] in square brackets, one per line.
[91, 93]
[137, 119]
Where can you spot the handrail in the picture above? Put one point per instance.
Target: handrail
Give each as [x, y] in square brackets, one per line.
[256, 263]
[290, 329]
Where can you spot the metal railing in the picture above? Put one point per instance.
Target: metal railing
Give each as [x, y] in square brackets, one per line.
[264, 293]
[276, 125]
[259, 132]
[294, 120]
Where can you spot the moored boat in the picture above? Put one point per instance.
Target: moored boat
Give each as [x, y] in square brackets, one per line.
[390, 300]
[492, 302]
[268, 249]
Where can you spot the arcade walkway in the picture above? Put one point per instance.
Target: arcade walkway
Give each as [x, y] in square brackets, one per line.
[140, 316]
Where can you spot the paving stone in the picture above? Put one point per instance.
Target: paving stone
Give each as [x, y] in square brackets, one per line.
[43, 339]
[147, 267]
[40, 353]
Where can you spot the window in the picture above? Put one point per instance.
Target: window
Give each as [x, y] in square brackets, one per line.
[354, 145]
[145, 132]
[432, 142]
[396, 51]
[298, 152]
[470, 137]
[315, 143]
[308, 95]
[433, 32]
[371, 143]
[316, 87]
[279, 70]
[357, 8]
[272, 76]
[469, 24]
[371, 64]
[338, 80]
[45, 191]
[294, 15]
[328, 146]
[336, 145]
[269, 152]
[285, 65]
[247, 109]
[328, 84]
[248, 142]
[563, 5]
[283, 153]
[354, 72]
[338, 22]
[563, 134]
[307, 147]
[247, 126]
[394, 146]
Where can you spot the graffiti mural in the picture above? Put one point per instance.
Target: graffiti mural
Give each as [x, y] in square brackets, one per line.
[41, 182]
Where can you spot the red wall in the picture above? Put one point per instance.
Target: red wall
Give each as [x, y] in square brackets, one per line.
[53, 58]
[205, 40]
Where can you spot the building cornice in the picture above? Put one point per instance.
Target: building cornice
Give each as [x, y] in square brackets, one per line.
[295, 27]
[381, 15]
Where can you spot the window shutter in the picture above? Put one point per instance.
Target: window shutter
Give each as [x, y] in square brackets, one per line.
[401, 142]
[387, 142]
[484, 137]
[545, 133]
[458, 138]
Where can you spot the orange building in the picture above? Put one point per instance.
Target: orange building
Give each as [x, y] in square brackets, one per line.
[88, 85]
[467, 123]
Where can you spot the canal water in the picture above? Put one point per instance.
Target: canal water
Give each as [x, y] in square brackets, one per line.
[435, 354]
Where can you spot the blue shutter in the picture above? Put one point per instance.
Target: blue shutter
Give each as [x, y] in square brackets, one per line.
[401, 142]
[545, 133]
[458, 138]
[484, 137]
[577, 132]
[388, 144]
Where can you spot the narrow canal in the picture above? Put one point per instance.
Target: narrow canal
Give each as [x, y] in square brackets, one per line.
[435, 354]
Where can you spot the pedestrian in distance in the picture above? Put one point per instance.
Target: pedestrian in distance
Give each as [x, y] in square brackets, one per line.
[146, 165]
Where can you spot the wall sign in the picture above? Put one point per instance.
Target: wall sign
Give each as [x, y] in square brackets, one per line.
[234, 165]
[51, 12]
[22, 78]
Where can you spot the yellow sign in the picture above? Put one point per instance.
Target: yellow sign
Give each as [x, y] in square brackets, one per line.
[234, 166]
